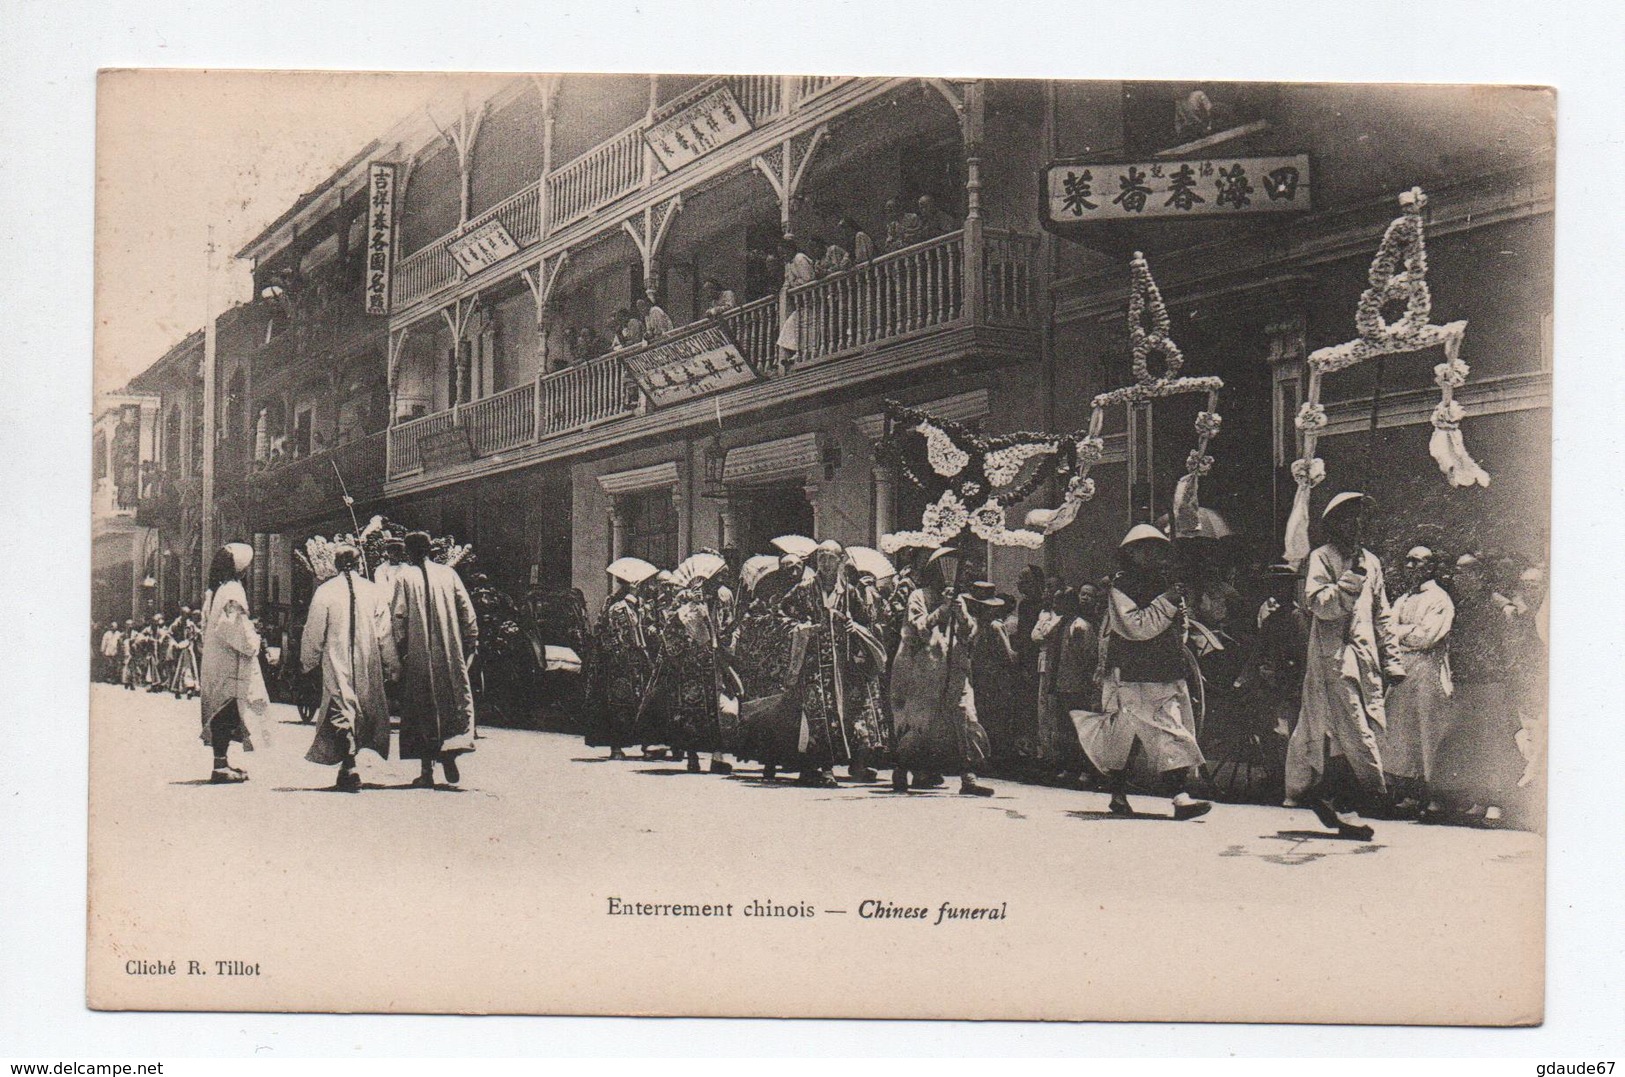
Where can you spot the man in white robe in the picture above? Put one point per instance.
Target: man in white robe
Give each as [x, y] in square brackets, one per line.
[1333, 761]
[1419, 708]
[1144, 695]
[349, 635]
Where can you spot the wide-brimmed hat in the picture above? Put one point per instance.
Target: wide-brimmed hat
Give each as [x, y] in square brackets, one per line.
[1348, 498]
[1143, 533]
[633, 570]
[984, 594]
[830, 546]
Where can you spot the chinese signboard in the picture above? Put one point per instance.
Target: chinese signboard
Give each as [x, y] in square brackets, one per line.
[684, 137]
[445, 448]
[483, 248]
[691, 366]
[380, 236]
[1086, 193]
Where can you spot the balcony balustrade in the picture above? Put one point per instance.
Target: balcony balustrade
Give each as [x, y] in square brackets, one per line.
[609, 171]
[908, 293]
[310, 486]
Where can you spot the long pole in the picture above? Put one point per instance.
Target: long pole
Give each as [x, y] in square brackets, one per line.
[209, 380]
[1371, 437]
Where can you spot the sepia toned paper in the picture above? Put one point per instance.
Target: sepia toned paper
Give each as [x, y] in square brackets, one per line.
[553, 880]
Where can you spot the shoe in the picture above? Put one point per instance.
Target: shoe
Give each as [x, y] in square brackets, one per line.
[242, 775]
[929, 781]
[1492, 816]
[655, 753]
[348, 782]
[719, 767]
[817, 779]
[1326, 814]
[861, 774]
[423, 781]
[770, 772]
[693, 764]
[968, 787]
[226, 776]
[616, 753]
[449, 764]
[899, 780]
[1119, 805]
[1355, 831]
[1192, 809]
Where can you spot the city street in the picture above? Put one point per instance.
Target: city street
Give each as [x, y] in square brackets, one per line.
[507, 882]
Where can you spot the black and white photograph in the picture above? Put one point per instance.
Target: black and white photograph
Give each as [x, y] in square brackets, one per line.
[819, 546]
[801, 499]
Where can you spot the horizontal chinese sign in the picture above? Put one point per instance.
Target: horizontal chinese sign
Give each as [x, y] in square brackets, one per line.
[684, 137]
[1094, 191]
[380, 236]
[483, 248]
[693, 365]
[445, 448]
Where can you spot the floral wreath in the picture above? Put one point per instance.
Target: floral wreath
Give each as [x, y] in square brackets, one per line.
[977, 477]
[1144, 302]
[317, 556]
[1398, 272]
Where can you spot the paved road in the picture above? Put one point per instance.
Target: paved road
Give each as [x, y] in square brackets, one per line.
[497, 896]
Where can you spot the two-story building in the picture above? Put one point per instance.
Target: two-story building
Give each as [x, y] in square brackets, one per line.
[147, 459]
[537, 407]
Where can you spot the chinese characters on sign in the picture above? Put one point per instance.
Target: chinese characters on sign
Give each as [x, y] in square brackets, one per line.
[484, 247]
[1084, 193]
[714, 120]
[692, 366]
[380, 236]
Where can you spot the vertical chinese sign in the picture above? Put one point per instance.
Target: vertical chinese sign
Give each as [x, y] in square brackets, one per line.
[380, 236]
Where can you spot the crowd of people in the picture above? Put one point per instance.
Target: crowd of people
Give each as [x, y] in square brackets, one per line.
[160, 655]
[1424, 699]
[809, 662]
[790, 263]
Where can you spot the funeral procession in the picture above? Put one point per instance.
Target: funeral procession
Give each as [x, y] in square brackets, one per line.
[675, 451]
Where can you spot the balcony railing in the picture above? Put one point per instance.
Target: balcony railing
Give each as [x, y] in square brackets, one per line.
[405, 439]
[311, 486]
[609, 171]
[1010, 265]
[579, 396]
[506, 420]
[919, 289]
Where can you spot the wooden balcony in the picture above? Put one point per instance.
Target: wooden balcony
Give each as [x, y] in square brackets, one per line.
[307, 490]
[907, 309]
[612, 170]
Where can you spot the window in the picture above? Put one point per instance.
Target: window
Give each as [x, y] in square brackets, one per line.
[649, 526]
[100, 449]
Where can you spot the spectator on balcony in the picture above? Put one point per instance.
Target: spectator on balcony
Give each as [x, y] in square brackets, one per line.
[894, 223]
[717, 299]
[656, 322]
[933, 220]
[628, 329]
[586, 343]
[851, 235]
[799, 270]
[833, 258]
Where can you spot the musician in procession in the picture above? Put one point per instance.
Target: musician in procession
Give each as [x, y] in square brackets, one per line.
[622, 667]
[840, 709]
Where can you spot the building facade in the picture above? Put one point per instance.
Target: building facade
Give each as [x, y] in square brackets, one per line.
[529, 216]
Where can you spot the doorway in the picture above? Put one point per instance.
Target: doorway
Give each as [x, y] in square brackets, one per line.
[763, 513]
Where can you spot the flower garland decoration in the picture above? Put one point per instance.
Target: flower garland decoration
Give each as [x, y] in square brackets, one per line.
[1148, 329]
[317, 556]
[1398, 272]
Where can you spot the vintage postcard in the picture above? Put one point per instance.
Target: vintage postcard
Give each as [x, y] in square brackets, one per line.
[820, 546]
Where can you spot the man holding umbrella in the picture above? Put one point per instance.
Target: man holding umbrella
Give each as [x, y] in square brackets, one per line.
[622, 667]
